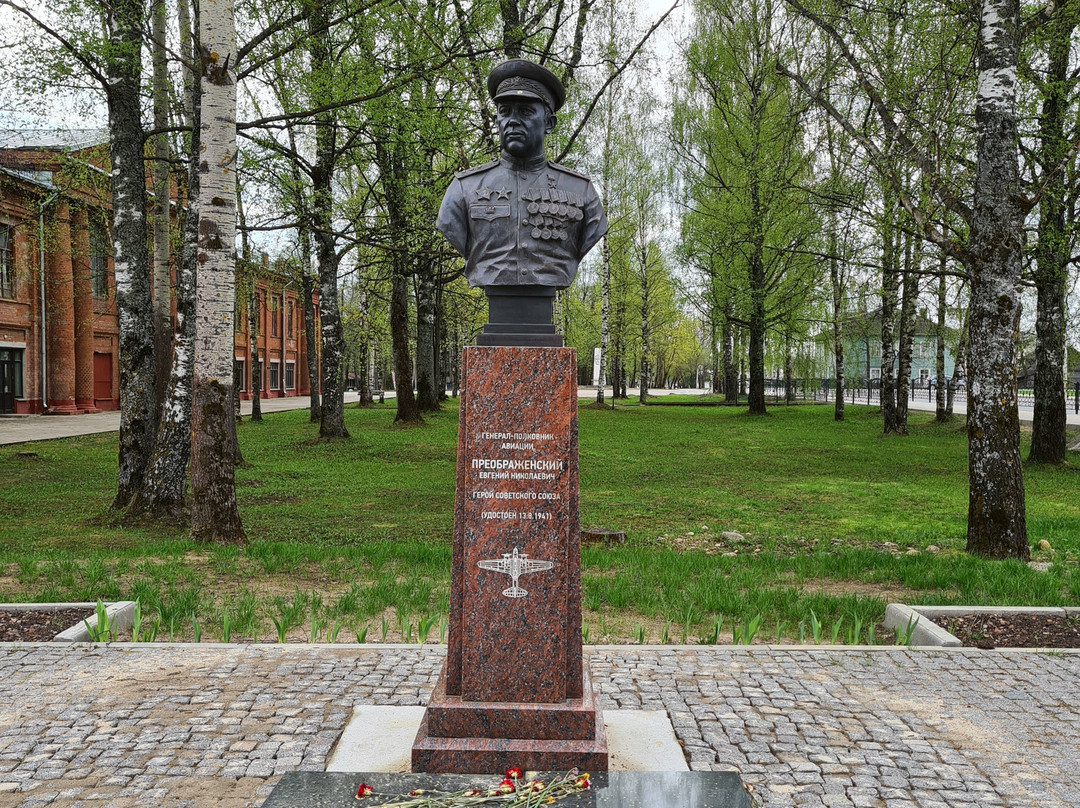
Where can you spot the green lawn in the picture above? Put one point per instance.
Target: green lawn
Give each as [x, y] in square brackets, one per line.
[354, 534]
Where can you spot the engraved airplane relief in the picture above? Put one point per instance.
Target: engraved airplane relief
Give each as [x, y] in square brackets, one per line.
[515, 565]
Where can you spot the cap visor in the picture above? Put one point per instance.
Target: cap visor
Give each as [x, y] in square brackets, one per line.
[518, 94]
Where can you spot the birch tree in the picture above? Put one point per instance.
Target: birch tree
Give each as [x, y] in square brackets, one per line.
[1054, 250]
[133, 299]
[162, 199]
[214, 514]
[991, 252]
[164, 488]
[996, 509]
[104, 45]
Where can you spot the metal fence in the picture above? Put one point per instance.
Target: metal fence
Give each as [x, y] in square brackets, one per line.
[868, 391]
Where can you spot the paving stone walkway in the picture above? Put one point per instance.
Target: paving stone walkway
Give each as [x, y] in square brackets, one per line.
[83, 726]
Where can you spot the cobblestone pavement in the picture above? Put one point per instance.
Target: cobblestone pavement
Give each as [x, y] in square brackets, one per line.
[187, 725]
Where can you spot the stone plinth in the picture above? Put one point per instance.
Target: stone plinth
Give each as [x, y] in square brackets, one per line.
[453, 717]
[514, 687]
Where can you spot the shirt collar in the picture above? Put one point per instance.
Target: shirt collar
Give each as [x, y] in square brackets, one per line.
[532, 164]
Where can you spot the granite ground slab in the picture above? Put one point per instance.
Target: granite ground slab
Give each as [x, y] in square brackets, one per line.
[189, 725]
[608, 790]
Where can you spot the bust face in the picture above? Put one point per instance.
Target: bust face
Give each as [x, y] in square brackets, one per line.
[523, 123]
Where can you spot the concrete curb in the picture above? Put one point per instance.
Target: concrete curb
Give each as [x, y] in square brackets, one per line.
[899, 617]
[120, 615]
[945, 612]
[927, 632]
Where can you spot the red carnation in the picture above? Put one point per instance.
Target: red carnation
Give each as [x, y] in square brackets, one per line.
[364, 791]
[513, 773]
[507, 786]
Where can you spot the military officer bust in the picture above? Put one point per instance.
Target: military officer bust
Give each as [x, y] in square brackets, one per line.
[522, 221]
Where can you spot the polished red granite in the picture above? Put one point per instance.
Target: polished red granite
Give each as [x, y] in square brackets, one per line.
[453, 717]
[514, 690]
[479, 755]
[517, 490]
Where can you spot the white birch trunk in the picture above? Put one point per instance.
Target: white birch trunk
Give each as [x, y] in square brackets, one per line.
[214, 516]
[605, 312]
[162, 302]
[130, 260]
[163, 493]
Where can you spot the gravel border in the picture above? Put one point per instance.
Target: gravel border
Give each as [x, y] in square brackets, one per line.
[120, 615]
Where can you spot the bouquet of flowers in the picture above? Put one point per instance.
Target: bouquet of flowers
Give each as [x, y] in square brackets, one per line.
[513, 792]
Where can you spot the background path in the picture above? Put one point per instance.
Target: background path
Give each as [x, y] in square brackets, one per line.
[26, 428]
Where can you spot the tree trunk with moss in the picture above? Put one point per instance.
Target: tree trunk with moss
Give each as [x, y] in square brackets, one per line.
[996, 513]
[163, 494]
[131, 260]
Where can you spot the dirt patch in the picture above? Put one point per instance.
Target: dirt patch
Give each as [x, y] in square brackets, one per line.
[38, 626]
[1015, 630]
[860, 588]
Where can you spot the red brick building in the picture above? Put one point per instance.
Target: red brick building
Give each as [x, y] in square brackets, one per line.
[59, 331]
[59, 328]
[280, 338]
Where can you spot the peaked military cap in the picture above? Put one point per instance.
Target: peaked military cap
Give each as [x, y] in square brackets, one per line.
[520, 78]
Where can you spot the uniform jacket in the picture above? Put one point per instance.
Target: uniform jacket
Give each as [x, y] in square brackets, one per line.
[519, 226]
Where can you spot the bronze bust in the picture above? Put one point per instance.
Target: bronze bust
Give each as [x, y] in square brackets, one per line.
[521, 221]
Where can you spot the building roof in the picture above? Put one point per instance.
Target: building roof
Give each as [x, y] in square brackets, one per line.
[43, 179]
[52, 139]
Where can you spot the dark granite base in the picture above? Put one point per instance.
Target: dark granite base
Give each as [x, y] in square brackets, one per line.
[519, 339]
[521, 316]
[613, 790]
[451, 717]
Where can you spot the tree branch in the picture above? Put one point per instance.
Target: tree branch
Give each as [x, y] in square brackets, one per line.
[611, 78]
[930, 232]
[64, 42]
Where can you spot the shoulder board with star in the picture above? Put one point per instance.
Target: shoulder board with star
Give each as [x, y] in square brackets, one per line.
[569, 171]
[468, 172]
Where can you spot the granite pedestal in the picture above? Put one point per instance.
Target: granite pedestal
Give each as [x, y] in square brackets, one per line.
[609, 790]
[515, 690]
